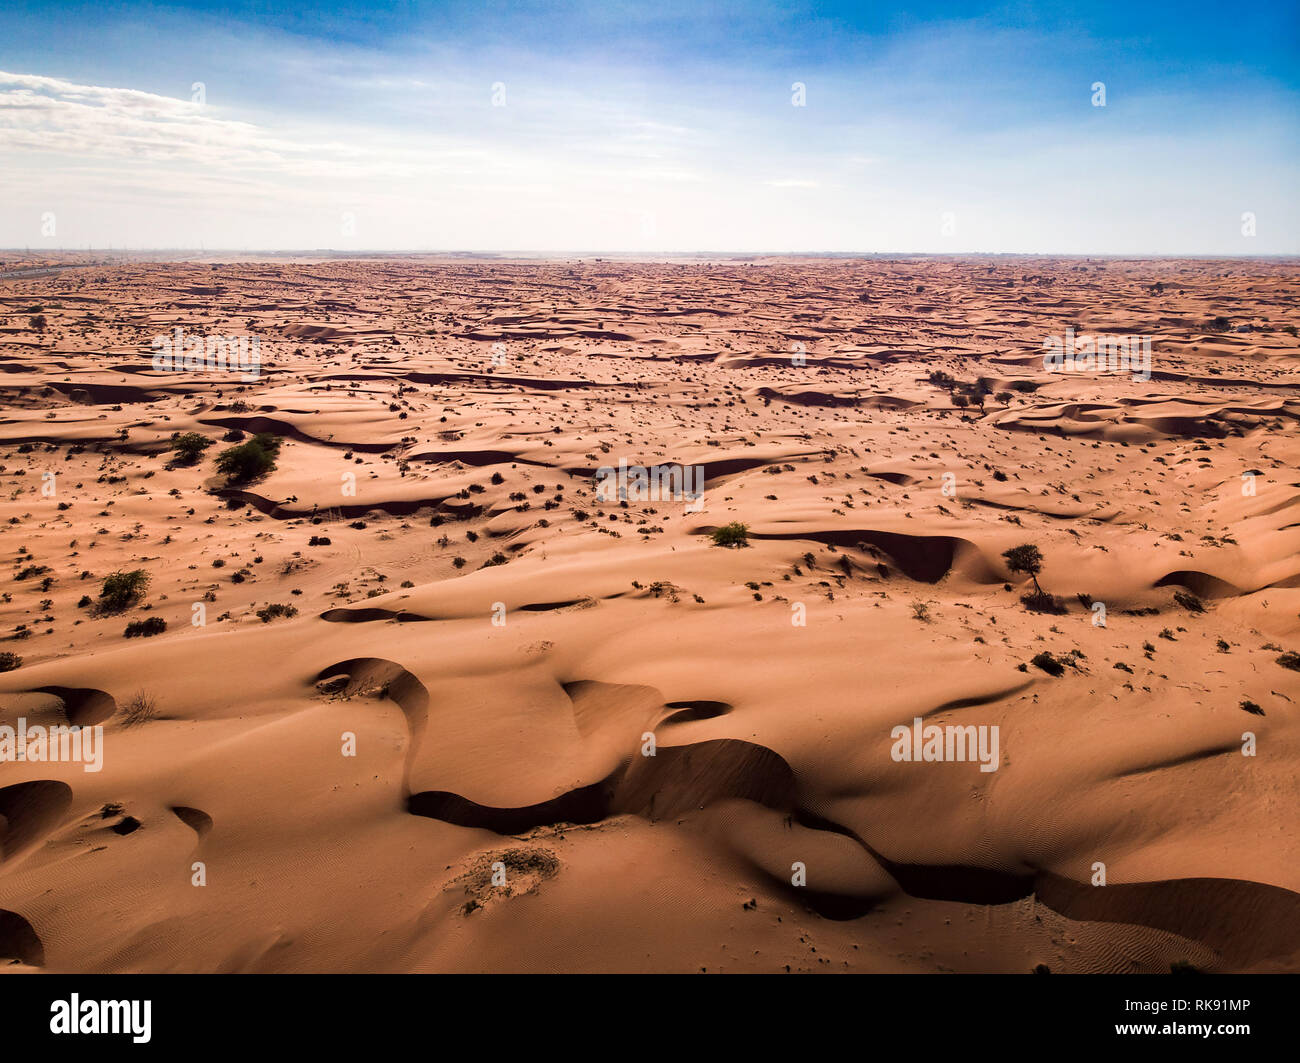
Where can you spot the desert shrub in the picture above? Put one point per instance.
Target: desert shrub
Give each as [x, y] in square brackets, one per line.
[188, 447]
[1048, 663]
[1290, 660]
[37, 322]
[251, 460]
[122, 590]
[1189, 602]
[10, 661]
[141, 708]
[154, 625]
[733, 534]
[277, 609]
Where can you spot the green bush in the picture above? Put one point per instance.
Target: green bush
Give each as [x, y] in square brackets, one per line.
[249, 461]
[154, 625]
[122, 590]
[188, 447]
[733, 534]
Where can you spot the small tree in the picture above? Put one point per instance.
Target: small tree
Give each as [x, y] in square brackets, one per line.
[1027, 559]
[37, 322]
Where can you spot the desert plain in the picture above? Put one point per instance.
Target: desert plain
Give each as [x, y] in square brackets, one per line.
[418, 696]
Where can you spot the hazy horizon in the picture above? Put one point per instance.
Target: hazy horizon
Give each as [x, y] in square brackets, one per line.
[555, 254]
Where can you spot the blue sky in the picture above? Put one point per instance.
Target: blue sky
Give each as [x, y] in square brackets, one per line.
[652, 127]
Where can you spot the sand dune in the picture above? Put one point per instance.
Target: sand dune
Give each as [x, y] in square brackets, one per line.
[399, 707]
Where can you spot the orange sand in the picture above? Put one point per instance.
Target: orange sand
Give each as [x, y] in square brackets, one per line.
[520, 742]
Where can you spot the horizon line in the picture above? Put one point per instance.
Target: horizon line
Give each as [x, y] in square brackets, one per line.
[587, 253]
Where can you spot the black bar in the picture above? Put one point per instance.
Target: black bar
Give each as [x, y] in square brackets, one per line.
[507, 1013]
